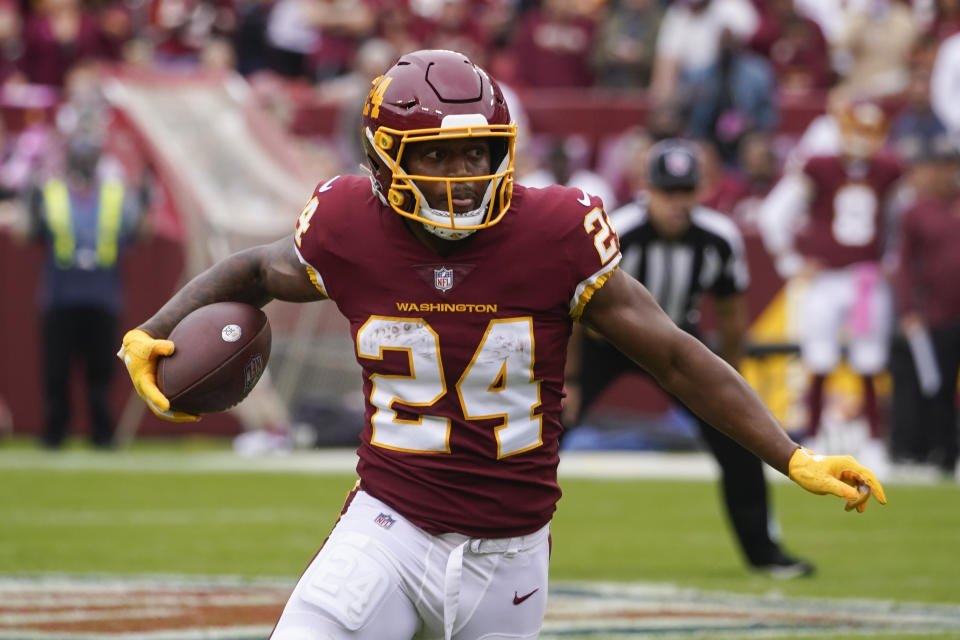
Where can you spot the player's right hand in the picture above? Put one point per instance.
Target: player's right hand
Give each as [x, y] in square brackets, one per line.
[842, 476]
[140, 353]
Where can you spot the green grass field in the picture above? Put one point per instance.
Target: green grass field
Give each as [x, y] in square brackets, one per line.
[270, 524]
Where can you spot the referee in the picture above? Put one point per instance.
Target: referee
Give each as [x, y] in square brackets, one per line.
[679, 250]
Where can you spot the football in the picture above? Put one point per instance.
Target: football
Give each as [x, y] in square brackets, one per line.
[221, 351]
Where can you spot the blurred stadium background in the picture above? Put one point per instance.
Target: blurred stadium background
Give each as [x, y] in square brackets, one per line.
[229, 111]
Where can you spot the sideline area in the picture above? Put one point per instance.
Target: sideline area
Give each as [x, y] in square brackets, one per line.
[695, 465]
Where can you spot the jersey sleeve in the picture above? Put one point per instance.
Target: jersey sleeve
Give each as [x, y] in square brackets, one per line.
[589, 244]
[317, 229]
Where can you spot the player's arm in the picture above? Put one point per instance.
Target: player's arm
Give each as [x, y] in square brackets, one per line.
[628, 316]
[254, 276]
[780, 216]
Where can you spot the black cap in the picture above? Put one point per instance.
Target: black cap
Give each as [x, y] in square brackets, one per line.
[673, 166]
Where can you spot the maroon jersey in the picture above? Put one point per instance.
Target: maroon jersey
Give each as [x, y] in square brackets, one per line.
[462, 355]
[846, 221]
[926, 277]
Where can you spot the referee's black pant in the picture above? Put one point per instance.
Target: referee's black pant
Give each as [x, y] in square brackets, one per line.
[88, 334]
[744, 486]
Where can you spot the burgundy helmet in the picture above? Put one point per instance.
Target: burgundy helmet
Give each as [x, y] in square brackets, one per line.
[429, 95]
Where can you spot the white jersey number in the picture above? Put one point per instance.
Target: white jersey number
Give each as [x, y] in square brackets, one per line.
[498, 383]
[855, 215]
[596, 222]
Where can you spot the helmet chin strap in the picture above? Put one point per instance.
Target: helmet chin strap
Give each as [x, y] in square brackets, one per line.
[443, 232]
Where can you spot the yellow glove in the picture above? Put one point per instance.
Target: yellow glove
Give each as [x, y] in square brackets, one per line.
[840, 475]
[140, 354]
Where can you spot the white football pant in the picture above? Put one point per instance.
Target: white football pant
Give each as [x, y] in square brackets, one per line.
[379, 577]
[854, 304]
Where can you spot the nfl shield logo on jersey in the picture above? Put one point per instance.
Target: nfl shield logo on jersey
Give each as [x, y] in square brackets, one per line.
[443, 279]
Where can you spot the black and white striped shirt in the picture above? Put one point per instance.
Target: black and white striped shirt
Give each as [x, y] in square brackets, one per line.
[710, 256]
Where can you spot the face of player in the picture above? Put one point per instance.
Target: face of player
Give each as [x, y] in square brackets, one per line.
[670, 211]
[860, 146]
[453, 158]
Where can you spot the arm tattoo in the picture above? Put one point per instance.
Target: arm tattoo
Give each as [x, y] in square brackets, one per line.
[237, 278]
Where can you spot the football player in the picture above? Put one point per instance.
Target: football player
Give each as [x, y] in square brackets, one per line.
[461, 288]
[826, 226]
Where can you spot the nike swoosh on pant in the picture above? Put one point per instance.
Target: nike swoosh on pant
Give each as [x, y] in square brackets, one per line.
[517, 599]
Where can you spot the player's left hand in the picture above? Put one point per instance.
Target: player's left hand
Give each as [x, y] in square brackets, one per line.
[842, 476]
[140, 353]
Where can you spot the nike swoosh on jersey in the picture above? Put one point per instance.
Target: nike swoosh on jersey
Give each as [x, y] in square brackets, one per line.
[585, 199]
[326, 186]
[517, 599]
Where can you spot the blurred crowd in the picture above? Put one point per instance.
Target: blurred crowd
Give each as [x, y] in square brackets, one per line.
[714, 71]
[718, 66]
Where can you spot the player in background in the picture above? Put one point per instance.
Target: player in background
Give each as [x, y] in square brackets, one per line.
[826, 226]
[461, 289]
[680, 250]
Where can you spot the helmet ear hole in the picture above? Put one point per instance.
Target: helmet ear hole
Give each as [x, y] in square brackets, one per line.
[383, 141]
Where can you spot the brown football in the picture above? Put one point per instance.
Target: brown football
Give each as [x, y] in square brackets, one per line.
[221, 351]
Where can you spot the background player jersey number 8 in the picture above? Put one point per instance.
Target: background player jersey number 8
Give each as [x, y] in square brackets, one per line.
[497, 383]
[854, 218]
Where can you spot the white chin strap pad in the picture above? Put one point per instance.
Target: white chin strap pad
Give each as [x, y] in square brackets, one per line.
[442, 232]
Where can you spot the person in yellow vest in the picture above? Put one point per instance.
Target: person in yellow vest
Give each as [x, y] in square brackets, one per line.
[85, 220]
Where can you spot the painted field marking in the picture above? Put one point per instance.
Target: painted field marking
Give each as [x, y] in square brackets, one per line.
[58, 607]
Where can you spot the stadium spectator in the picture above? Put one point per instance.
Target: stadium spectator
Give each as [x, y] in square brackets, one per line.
[945, 20]
[736, 94]
[57, 35]
[680, 251]
[249, 38]
[928, 303]
[623, 52]
[916, 118]
[11, 42]
[945, 84]
[341, 26]
[551, 46]
[689, 43]
[874, 47]
[181, 29]
[566, 162]
[740, 191]
[217, 55]
[350, 90]
[447, 532]
[292, 36]
[830, 14]
[622, 165]
[826, 225]
[457, 25]
[397, 25]
[795, 46]
[116, 28]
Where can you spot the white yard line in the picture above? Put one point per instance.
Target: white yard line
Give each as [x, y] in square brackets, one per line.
[573, 464]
